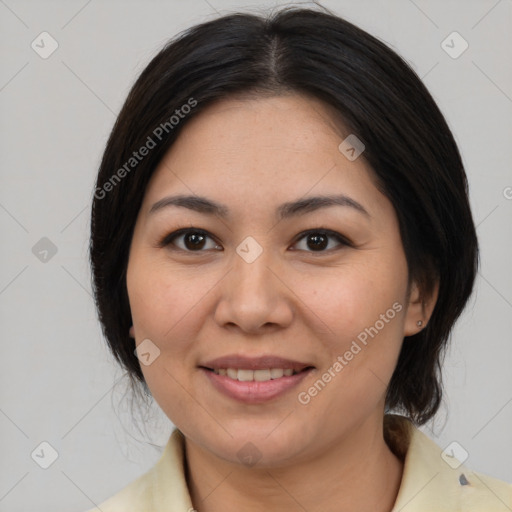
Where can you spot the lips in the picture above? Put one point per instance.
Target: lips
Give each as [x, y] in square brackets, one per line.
[255, 380]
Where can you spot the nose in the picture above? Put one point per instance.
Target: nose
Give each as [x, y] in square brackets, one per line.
[254, 297]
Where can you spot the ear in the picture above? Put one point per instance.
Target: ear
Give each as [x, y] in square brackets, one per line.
[419, 308]
[131, 332]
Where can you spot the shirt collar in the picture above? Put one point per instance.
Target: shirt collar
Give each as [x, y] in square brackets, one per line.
[429, 481]
[434, 480]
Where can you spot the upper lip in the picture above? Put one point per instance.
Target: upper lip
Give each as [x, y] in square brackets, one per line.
[254, 363]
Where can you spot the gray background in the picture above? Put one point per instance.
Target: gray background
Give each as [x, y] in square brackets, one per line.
[58, 381]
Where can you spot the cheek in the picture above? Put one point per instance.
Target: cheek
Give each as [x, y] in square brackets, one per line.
[349, 301]
[364, 310]
[162, 299]
[165, 305]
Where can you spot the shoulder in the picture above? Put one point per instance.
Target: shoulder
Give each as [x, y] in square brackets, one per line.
[135, 496]
[434, 479]
[163, 487]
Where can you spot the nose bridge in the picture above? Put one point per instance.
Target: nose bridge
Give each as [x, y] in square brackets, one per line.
[251, 273]
[253, 296]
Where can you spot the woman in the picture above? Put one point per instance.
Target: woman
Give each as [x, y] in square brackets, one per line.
[281, 243]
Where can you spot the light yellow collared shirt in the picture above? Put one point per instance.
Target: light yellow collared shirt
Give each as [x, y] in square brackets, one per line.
[429, 482]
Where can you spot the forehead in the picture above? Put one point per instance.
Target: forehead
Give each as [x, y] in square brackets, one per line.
[257, 149]
[285, 122]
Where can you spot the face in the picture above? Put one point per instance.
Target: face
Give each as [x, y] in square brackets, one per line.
[268, 322]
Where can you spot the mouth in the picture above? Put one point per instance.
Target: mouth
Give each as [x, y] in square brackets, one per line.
[255, 380]
[262, 375]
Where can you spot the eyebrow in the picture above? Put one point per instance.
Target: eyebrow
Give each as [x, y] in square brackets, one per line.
[284, 211]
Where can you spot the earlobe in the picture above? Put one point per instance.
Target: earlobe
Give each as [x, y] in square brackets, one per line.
[131, 332]
[419, 309]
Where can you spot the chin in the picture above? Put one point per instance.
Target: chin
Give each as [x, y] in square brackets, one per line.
[263, 447]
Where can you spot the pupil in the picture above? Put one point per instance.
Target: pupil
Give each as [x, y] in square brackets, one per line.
[319, 241]
[197, 241]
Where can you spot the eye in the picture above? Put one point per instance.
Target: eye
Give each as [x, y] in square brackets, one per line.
[193, 240]
[318, 240]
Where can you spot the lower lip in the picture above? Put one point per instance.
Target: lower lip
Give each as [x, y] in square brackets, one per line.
[255, 392]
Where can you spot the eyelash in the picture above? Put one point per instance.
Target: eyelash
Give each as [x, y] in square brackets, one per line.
[169, 239]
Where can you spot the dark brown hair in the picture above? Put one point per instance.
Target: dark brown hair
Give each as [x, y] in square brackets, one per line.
[409, 146]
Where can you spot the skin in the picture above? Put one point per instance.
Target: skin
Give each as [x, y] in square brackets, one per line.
[252, 155]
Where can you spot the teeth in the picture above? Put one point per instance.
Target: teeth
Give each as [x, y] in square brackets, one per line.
[276, 373]
[260, 375]
[244, 375]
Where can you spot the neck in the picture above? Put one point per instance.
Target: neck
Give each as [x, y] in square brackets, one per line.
[357, 473]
